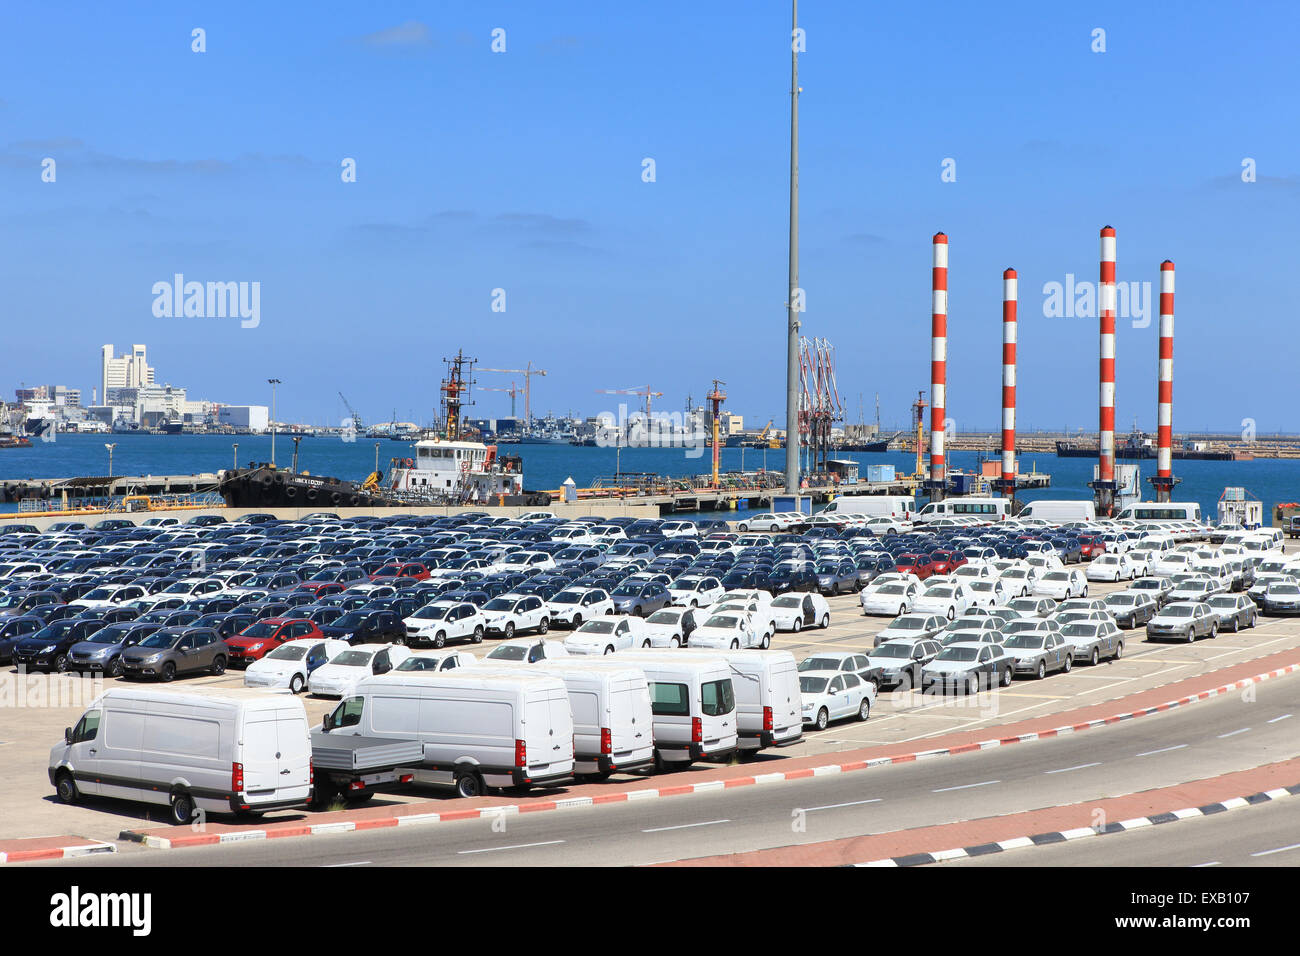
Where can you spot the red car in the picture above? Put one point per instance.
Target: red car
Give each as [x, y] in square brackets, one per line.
[1091, 547]
[946, 562]
[253, 642]
[918, 564]
[417, 571]
[321, 588]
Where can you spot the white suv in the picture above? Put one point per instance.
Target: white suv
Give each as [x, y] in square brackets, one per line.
[510, 614]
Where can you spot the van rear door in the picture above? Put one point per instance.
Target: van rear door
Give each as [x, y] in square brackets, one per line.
[276, 753]
[630, 719]
[548, 732]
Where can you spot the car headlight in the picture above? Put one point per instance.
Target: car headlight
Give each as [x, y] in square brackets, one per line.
[256, 647]
[49, 649]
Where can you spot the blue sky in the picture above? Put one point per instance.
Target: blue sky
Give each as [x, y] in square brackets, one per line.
[522, 171]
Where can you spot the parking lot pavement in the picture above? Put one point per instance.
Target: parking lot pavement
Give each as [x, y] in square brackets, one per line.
[43, 705]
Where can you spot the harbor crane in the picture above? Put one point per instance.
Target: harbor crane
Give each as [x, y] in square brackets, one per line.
[528, 374]
[356, 418]
[716, 398]
[645, 393]
[512, 391]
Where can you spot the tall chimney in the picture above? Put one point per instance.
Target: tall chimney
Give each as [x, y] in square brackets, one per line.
[1105, 483]
[1164, 479]
[1010, 295]
[937, 485]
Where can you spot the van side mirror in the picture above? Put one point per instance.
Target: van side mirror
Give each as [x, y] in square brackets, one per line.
[67, 735]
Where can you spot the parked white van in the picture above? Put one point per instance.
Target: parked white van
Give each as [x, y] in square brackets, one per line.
[244, 751]
[480, 726]
[613, 726]
[694, 704]
[768, 703]
[887, 506]
[1060, 511]
[984, 510]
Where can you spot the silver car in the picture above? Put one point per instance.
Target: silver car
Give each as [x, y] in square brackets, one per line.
[1186, 621]
[1234, 611]
[1093, 640]
[1039, 654]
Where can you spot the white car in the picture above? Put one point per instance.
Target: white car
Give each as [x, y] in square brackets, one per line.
[976, 570]
[695, 590]
[524, 561]
[986, 593]
[670, 626]
[339, 678]
[441, 621]
[760, 615]
[526, 650]
[911, 625]
[729, 630]
[1062, 585]
[292, 663]
[1032, 606]
[767, 521]
[437, 661]
[1019, 581]
[678, 529]
[572, 606]
[795, 610]
[892, 598]
[1171, 563]
[606, 635]
[831, 695]
[510, 614]
[1111, 567]
[948, 598]
[882, 524]
[109, 595]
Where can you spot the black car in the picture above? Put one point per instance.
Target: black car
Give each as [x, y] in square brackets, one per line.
[47, 649]
[13, 630]
[367, 627]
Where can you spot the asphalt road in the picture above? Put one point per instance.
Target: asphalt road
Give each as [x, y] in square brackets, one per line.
[1205, 740]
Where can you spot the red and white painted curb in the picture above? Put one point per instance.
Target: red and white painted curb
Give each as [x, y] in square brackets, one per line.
[57, 852]
[708, 786]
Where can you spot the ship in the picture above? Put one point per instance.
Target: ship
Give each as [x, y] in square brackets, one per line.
[1138, 446]
[444, 470]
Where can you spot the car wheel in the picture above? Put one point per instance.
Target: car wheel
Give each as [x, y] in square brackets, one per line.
[1042, 669]
[66, 788]
[952, 613]
[509, 631]
[1094, 657]
[864, 709]
[646, 643]
[902, 609]
[297, 684]
[1069, 663]
[469, 784]
[1214, 630]
[797, 626]
[1117, 577]
[478, 635]
[742, 527]
[825, 622]
[544, 626]
[767, 641]
[823, 718]
[440, 639]
[674, 643]
[168, 673]
[61, 663]
[114, 669]
[181, 808]
[1191, 635]
[735, 644]
[577, 621]
[1119, 650]
[1252, 619]
[219, 665]
[1085, 591]
[1006, 677]
[609, 648]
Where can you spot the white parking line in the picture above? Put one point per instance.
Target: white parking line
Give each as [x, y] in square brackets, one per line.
[966, 786]
[1197, 866]
[1283, 717]
[1082, 766]
[1281, 849]
[517, 846]
[330, 866]
[837, 806]
[1233, 733]
[1162, 750]
[685, 826]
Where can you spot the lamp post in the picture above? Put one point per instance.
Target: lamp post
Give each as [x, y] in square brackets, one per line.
[273, 382]
[376, 456]
[110, 446]
[235, 446]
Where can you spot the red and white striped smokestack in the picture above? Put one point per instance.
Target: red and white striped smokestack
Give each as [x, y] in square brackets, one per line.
[938, 355]
[1010, 294]
[1106, 405]
[1165, 390]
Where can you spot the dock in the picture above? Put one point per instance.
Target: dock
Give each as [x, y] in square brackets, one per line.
[105, 487]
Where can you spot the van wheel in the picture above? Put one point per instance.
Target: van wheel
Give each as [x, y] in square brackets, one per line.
[646, 643]
[297, 684]
[219, 665]
[66, 788]
[181, 809]
[168, 673]
[469, 784]
[478, 634]
[825, 622]
[823, 718]
[440, 639]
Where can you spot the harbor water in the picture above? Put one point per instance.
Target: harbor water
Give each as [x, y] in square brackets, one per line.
[547, 466]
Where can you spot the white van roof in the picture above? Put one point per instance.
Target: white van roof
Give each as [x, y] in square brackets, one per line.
[480, 678]
[255, 698]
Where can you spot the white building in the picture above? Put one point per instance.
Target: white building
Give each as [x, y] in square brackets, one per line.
[255, 418]
[127, 371]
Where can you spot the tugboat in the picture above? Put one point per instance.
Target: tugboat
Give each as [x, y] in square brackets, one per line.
[445, 470]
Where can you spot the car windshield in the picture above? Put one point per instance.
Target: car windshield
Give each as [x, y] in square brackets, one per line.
[260, 629]
[567, 597]
[890, 649]
[907, 624]
[819, 664]
[351, 619]
[160, 639]
[787, 601]
[1223, 600]
[1025, 642]
[433, 612]
[288, 652]
[664, 617]
[627, 590]
[508, 652]
[1122, 600]
[891, 589]
[420, 664]
[595, 627]
[721, 620]
[99, 594]
[940, 592]
[353, 659]
[961, 654]
[1284, 589]
[1080, 629]
[113, 634]
[813, 685]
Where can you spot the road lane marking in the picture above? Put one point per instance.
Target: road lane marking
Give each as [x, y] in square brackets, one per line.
[517, 846]
[837, 806]
[966, 786]
[1283, 717]
[1082, 766]
[685, 826]
[1162, 750]
[1280, 849]
[1233, 733]
[1197, 866]
[329, 866]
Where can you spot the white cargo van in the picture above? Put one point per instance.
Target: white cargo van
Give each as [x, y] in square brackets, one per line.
[480, 726]
[693, 700]
[613, 727]
[1060, 511]
[768, 703]
[979, 510]
[244, 751]
[883, 506]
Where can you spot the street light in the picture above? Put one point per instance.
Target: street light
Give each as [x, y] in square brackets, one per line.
[376, 456]
[273, 382]
[235, 445]
[110, 446]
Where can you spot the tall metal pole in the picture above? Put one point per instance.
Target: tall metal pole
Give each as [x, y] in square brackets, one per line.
[792, 306]
[273, 382]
